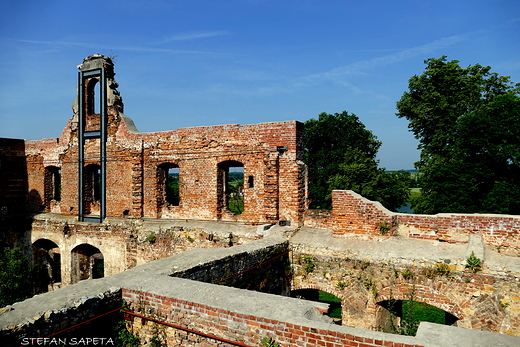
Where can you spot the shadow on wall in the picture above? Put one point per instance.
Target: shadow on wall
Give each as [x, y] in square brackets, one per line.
[35, 202]
[13, 176]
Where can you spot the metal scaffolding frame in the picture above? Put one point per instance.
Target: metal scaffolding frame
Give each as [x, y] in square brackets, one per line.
[101, 134]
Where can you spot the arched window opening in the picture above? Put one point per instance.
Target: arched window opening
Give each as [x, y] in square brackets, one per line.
[52, 183]
[333, 301]
[87, 263]
[231, 186]
[47, 262]
[169, 184]
[92, 183]
[403, 316]
[93, 89]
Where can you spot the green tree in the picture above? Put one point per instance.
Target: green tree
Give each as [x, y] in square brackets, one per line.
[172, 190]
[467, 121]
[15, 276]
[340, 154]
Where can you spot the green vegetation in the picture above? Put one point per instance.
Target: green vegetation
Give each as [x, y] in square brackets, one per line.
[125, 337]
[341, 154]
[98, 268]
[473, 264]
[269, 342]
[235, 199]
[15, 276]
[151, 238]
[468, 123]
[172, 189]
[333, 301]
[308, 262]
[408, 274]
[341, 285]
[384, 227]
[413, 312]
[441, 269]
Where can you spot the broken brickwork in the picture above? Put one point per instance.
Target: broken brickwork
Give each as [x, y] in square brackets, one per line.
[270, 153]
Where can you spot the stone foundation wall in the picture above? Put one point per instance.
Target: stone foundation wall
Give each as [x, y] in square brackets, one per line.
[478, 300]
[124, 243]
[179, 311]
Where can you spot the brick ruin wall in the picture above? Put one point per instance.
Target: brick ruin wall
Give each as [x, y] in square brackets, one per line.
[179, 311]
[354, 215]
[274, 191]
[479, 301]
[124, 243]
[275, 179]
[271, 155]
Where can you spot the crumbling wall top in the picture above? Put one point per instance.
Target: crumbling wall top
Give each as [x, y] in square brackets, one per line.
[97, 61]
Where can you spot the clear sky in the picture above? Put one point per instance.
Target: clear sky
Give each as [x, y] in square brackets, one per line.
[192, 63]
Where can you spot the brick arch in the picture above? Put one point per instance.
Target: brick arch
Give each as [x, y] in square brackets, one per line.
[423, 293]
[329, 289]
[47, 261]
[56, 239]
[83, 258]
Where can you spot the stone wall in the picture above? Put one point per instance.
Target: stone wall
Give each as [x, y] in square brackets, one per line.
[124, 243]
[366, 274]
[180, 311]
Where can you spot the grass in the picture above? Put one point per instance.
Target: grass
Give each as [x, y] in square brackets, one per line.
[424, 312]
[236, 206]
[333, 301]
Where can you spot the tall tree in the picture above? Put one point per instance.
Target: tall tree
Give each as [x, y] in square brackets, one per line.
[467, 121]
[340, 154]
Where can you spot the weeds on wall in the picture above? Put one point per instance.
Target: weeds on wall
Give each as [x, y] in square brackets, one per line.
[308, 263]
[441, 269]
[269, 342]
[409, 322]
[125, 337]
[408, 274]
[384, 227]
[473, 264]
[151, 238]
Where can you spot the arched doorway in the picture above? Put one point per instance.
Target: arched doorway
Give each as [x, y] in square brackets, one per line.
[47, 262]
[87, 263]
[403, 316]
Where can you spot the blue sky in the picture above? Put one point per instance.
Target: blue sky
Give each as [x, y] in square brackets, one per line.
[192, 63]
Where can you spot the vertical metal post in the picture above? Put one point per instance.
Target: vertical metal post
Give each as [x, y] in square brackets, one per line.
[103, 144]
[81, 142]
[83, 135]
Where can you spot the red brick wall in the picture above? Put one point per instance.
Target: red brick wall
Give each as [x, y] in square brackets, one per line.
[353, 214]
[247, 330]
[133, 160]
[13, 176]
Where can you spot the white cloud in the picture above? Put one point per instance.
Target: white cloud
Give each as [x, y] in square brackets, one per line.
[110, 47]
[359, 67]
[192, 36]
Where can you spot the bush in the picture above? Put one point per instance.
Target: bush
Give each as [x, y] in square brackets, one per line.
[16, 277]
